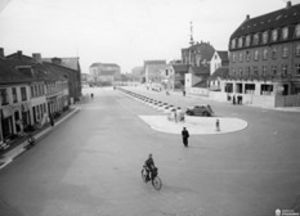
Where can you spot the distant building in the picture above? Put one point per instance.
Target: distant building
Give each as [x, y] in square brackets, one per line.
[138, 74]
[219, 59]
[197, 54]
[264, 58]
[154, 70]
[72, 63]
[105, 73]
[218, 65]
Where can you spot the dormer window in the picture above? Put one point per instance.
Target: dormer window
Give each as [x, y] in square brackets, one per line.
[256, 39]
[248, 40]
[240, 42]
[285, 33]
[297, 31]
[274, 35]
[265, 37]
[233, 44]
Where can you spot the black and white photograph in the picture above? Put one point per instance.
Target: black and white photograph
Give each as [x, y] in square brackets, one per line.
[149, 108]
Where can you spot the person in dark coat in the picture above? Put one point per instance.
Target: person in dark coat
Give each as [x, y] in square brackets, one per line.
[185, 136]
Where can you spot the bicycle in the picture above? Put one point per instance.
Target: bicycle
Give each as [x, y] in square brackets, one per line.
[153, 177]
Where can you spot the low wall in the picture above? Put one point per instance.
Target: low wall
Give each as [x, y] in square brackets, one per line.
[198, 91]
[218, 96]
[288, 100]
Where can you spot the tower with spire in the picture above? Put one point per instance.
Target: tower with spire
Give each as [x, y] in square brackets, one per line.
[191, 34]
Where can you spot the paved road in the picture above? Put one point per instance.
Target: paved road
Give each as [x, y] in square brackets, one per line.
[90, 165]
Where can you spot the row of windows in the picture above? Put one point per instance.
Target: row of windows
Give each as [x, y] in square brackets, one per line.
[37, 90]
[265, 37]
[264, 71]
[264, 54]
[4, 96]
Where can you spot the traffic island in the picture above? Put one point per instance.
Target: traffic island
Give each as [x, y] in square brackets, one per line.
[195, 125]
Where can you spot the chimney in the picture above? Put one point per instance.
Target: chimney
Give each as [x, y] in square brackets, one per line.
[37, 57]
[56, 61]
[2, 53]
[288, 4]
[19, 53]
[247, 17]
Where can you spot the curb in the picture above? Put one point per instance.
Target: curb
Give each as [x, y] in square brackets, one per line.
[10, 156]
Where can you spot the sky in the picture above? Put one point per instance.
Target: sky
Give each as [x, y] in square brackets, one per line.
[125, 32]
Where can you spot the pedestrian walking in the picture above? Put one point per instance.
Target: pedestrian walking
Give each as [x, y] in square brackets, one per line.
[185, 136]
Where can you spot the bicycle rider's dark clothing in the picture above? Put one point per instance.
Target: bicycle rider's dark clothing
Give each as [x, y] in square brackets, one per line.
[149, 164]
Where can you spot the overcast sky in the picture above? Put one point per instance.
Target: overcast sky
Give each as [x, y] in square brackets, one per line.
[125, 32]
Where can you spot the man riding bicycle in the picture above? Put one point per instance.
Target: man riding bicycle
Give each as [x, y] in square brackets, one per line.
[149, 167]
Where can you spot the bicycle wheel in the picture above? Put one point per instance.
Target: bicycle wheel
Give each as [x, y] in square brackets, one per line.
[143, 175]
[157, 183]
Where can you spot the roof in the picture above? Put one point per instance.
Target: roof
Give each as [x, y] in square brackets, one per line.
[201, 84]
[221, 72]
[223, 55]
[155, 62]
[98, 64]
[205, 49]
[199, 70]
[68, 62]
[283, 17]
[180, 68]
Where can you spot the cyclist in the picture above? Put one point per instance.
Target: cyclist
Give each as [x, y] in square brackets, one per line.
[149, 167]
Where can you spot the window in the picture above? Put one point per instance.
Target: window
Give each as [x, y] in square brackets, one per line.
[23, 94]
[248, 72]
[248, 40]
[265, 54]
[284, 70]
[298, 50]
[274, 53]
[35, 91]
[233, 44]
[255, 71]
[274, 35]
[285, 33]
[240, 72]
[297, 31]
[15, 96]
[3, 97]
[256, 39]
[233, 57]
[240, 42]
[297, 66]
[285, 52]
[241, 56]
[265, 37]
[264, 71]
[274, 70]
[248, 55]
[256, 55]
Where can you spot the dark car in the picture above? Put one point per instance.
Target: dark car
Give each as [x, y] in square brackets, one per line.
[200, 110]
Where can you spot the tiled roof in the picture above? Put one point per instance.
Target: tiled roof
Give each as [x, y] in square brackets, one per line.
[199, 70]
[8, 73]
[180, 68]
[223, 55]
[201, 84]
[68, 62]
[150, 62]
[221, 72]
[276, 19]
[98, 64]
[205, 49]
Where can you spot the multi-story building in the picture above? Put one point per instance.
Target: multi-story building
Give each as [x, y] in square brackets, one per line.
[218, 69]
[197, 54]
[74, 73]
[30, 92]
[154, 71]
[264, 58]
[105, 73]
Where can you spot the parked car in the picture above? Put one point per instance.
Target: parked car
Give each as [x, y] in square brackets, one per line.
[200, 110]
